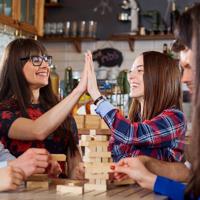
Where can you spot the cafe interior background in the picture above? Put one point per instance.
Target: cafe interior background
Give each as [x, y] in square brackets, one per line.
[116, 31]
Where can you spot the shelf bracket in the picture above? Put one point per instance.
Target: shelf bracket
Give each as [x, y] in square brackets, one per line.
[77, 45]
[131, 44]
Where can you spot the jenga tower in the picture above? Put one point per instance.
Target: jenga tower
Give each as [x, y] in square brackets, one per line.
[97, 161]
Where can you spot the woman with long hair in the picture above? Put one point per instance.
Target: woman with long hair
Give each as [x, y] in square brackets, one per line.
[156, 126]
[188, 36]
[30, 114]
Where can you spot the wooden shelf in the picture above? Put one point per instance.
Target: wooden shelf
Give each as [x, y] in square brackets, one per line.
[75, 40]
[131, 38]
[53, 5]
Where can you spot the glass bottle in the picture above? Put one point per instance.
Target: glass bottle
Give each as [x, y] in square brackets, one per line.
[174, 15]
[165, 48]
[54, 80]
[68, 81]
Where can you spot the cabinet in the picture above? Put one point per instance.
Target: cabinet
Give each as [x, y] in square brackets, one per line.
[24, 15]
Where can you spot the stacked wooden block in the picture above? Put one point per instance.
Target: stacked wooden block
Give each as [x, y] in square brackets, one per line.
[97, 161]
[90, 122]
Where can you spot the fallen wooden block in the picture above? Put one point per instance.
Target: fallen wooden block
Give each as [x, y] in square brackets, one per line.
[73, 189]
[100, 187]
[37, 184]
[59, 157]
[38, 177]
[60, 181]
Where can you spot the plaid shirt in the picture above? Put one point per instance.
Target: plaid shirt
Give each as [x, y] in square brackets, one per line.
[161, 137]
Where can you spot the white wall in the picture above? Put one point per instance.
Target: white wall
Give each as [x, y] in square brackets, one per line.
[64, 54]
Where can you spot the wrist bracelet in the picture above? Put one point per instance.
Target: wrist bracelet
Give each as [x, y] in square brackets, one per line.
[99, 99]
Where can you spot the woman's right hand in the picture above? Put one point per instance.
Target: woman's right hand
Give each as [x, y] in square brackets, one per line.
[92, 87]
[11, 178]
[135, 169]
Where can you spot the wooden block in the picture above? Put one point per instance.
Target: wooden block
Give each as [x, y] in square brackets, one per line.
[38, 177]
[105, 148]
[105, 160]
[85, 138]
[92, 122]
[98, 181]
[97, 167]
[99, 154]
[63, 189]
[92, 132]
[58, 157]
[99, 187]
[99, 149]
[103, 125]
[37, 184]
[97, 176]
[101, 138]
[86, 159]
[92, 181]
[59, 181]
[128, 181]
[80, 121]
[98, 160]
[103, 181]
[93, 143]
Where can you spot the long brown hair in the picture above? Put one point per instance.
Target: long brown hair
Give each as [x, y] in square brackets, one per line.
[162, 86]
[193, 14]
[14, 84]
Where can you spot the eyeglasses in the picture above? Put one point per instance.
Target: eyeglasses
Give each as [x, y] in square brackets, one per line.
[37, 60]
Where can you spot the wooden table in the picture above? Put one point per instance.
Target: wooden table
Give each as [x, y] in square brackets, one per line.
[132, 192]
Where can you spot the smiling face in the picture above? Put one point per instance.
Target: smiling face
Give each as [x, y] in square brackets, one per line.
[135, 78]
[36, 76]
[186, 63]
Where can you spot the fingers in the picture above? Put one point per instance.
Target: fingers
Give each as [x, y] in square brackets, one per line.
[39, 151]
[54, 168]
[17, 177]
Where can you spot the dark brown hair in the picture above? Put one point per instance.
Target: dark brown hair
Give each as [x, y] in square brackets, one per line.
[162, 86]
[14, 84]
[192, 32]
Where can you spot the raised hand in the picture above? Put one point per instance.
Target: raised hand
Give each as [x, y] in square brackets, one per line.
[135, 169]
[82, 86]
[92, 87]
[11, 178]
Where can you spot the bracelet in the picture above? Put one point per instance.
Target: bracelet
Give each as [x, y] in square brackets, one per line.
[99, 99]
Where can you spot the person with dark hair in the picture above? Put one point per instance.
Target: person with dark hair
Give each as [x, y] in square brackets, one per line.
[156, 126]
[141, 168]
[31, 116]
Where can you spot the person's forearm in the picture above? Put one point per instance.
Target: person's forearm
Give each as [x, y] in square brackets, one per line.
[25, 129]
[173, 170]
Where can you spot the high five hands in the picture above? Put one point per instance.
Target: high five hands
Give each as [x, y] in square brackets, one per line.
[89, 77]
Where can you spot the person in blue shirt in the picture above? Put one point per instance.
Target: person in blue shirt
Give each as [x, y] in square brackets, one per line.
[188, 36]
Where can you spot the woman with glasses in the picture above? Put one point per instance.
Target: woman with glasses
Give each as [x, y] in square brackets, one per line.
[156, 126]
[30, 114]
